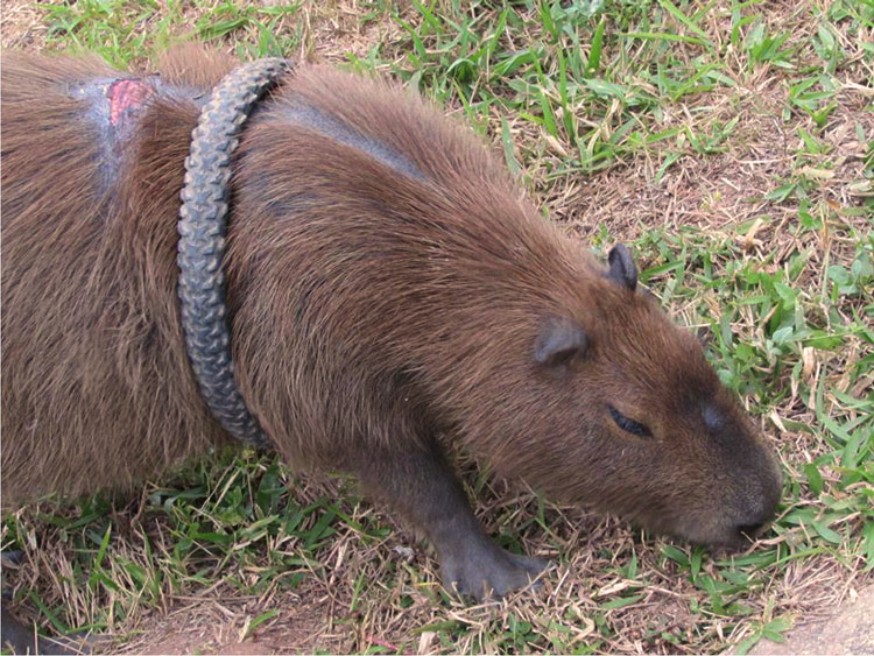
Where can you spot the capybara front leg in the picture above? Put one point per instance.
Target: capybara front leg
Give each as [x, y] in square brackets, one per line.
[420, 485]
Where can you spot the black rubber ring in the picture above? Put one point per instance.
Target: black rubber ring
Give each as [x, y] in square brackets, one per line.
[202, 227]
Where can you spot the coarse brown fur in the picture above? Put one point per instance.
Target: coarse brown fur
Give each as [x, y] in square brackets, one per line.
[377, 301]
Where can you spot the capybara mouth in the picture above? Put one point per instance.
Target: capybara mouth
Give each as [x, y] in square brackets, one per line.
[728, 539]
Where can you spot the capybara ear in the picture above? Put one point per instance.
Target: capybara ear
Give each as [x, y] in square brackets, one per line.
[622, 268]
[559, 341]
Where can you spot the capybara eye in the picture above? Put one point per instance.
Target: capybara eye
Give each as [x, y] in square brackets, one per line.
[629, 425]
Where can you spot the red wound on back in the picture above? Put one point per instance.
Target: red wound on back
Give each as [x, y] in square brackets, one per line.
[124, 95]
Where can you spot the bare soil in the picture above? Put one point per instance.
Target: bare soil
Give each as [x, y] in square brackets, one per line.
[849, 630]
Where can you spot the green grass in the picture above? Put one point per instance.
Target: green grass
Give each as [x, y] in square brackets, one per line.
[652, 95]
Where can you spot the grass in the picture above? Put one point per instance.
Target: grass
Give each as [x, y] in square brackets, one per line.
[730, 143]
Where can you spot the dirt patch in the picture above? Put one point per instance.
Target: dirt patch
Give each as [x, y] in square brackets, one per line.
[849, 630]
[718, 192]
[301, 622]
[333, 32]
[22, 25]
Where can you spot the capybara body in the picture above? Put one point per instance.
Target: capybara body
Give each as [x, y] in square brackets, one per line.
[387, 284]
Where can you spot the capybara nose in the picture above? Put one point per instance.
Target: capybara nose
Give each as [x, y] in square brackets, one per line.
[760, 505]
[757, 519]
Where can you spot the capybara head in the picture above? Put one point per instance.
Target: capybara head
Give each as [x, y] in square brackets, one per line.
[618, 408]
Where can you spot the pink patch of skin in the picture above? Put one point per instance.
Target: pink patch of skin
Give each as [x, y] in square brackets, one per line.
[124, 95]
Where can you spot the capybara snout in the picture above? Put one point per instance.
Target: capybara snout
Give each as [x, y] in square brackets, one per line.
[387, 283]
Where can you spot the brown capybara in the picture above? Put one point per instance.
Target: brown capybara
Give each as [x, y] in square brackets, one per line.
[388, 283]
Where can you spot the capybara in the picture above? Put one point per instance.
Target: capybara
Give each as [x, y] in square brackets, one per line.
[388, 284]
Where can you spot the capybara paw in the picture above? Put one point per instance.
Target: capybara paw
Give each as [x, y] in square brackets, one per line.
[491, 575]
[534, 566]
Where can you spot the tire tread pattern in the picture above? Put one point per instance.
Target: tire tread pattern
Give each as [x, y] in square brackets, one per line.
[202, 229]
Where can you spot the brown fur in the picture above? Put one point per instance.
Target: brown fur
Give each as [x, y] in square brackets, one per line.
[372, 311]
